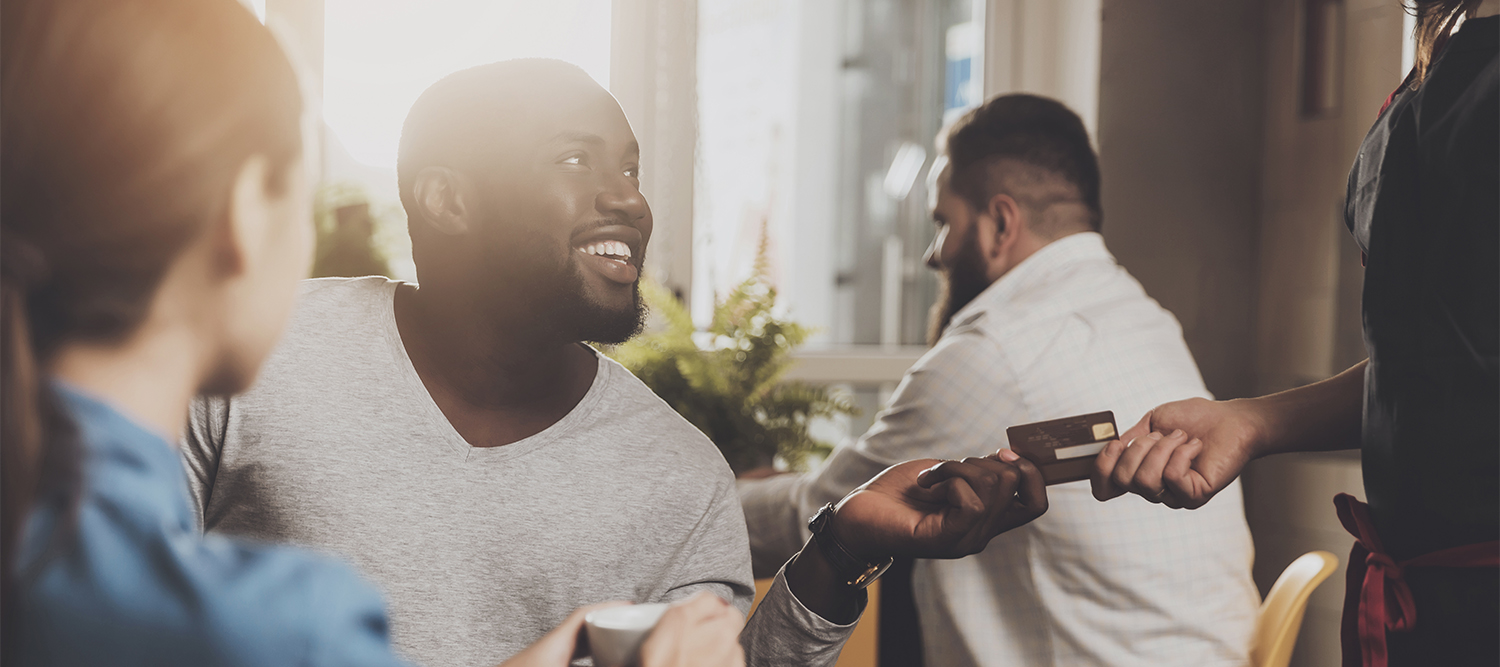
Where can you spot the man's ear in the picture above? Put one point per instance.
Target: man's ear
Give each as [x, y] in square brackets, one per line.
[1006, 214]
[439, 195]
[244, 234]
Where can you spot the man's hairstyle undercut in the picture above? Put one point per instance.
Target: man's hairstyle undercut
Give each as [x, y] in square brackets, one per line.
[1040, 135]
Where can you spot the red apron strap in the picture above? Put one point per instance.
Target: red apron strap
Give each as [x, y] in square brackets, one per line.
[1354, 583]
[1376, 597]
[1372, 605]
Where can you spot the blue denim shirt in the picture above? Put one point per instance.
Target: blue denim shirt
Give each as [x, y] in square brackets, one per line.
[129, 579]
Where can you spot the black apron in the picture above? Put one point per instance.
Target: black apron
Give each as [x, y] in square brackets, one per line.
[1424, 205]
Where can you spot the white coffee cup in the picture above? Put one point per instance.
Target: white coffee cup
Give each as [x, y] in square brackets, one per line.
[616, 634]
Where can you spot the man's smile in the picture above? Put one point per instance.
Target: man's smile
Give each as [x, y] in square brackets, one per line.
[612, 252]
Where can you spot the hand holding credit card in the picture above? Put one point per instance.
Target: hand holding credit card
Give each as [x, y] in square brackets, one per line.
[1064, 449]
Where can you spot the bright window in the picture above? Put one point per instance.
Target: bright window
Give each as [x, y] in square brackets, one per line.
[816, 125]
[379, 55]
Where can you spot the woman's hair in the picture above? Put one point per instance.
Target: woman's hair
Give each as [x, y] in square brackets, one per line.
[1435, 20]
[124, 124]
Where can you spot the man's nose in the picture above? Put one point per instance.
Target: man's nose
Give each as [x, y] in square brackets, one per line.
[935, 249]
[621, 198]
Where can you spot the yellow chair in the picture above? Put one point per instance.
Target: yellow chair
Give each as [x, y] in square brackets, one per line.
[1281, 613]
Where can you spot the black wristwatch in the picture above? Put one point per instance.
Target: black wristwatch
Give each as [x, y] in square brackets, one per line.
[852, 570]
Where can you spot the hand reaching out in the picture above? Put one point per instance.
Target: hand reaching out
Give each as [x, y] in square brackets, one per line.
[1180, 454]
[940, 509]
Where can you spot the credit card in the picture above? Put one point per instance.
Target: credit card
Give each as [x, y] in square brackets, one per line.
[1064, 449]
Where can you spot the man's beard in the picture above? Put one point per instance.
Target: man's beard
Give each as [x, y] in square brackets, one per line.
[598, 324]
[558, 298]
[957, 286]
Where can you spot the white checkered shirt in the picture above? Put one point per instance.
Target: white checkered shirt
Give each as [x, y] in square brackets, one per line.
[1122, 583]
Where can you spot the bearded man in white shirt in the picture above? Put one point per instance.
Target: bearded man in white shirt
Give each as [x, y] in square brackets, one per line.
[1037, 321]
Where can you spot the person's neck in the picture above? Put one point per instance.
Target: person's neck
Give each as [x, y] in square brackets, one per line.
[151, 377]
[1025, 246]
[1487, 8]
[488, 364]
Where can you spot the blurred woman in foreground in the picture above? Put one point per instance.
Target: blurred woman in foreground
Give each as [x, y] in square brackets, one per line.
[154, 219]
[1425, 407]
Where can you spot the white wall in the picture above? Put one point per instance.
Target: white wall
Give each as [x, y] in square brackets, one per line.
[768, 110]
[1046, 47]
[809, 275]
[653, 73]
[1180, 153]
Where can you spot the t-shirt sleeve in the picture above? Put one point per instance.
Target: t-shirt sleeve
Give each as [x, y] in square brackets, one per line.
[716, 555]
[202, 443]
[784, 632]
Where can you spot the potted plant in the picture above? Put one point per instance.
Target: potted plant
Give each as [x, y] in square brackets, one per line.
[727, 380]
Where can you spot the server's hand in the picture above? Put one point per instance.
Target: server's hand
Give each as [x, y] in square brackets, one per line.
[1180, 454]
[1184, 452]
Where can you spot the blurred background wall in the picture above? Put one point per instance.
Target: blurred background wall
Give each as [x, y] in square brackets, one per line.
[1226, 132]
[1180, 137]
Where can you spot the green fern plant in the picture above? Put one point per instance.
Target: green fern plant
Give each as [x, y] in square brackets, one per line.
[730, 387]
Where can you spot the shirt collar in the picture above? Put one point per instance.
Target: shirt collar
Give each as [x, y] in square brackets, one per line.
[1034, 271]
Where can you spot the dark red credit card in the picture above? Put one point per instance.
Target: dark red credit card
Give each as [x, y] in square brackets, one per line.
[1064, 449]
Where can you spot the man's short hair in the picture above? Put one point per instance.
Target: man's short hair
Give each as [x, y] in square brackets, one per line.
[465, 119]
[1024, 142]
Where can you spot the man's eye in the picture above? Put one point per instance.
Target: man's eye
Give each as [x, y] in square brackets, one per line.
[633, 172]
[575, 160]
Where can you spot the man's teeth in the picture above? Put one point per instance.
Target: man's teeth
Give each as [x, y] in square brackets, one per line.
[611, 249]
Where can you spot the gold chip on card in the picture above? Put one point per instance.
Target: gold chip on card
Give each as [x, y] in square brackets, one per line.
[1104, 431]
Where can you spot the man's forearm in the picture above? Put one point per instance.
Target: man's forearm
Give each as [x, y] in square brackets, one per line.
[814, 582]
[1323, 416]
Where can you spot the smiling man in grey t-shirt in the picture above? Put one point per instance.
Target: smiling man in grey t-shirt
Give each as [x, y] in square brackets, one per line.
[488, 470]
[458, 441]
[480, 550]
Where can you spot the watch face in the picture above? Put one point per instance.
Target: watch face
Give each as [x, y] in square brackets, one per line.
[818, 521]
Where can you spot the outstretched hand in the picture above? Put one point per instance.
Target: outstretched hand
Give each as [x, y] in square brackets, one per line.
[940, 509]
[1179, 455]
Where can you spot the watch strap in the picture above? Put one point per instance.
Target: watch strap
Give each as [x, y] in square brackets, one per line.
[852, 570]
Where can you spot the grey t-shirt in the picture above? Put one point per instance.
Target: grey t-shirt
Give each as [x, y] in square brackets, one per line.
[480, 551]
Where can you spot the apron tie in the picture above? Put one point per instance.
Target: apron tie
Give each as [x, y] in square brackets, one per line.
[1376, 597]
